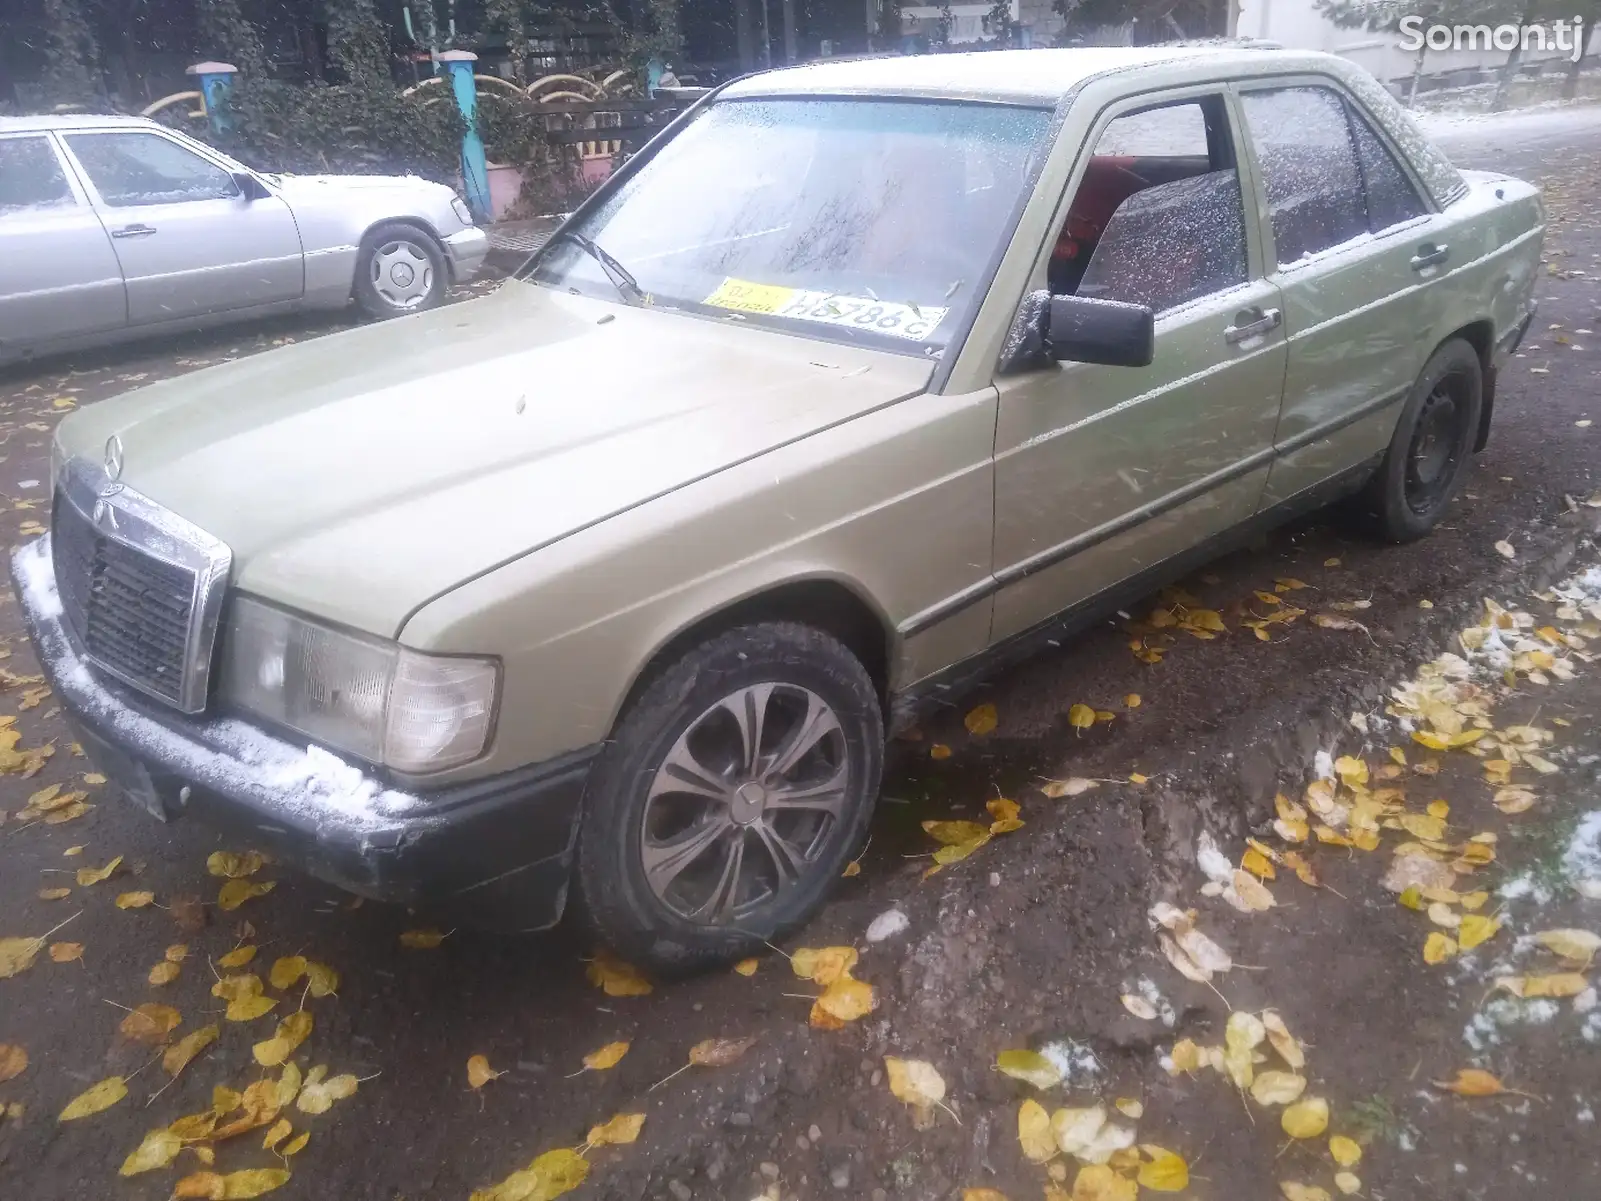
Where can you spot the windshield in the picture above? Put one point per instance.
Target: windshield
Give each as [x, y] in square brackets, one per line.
[858, 219]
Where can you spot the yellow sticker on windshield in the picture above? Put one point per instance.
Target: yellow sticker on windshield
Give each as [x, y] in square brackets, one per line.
[747, 297]
[864, 313]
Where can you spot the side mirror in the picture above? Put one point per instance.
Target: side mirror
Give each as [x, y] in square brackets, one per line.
[1079, 329]
[249, 186]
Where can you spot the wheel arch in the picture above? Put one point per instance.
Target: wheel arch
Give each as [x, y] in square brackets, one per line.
[828, 603]
[1480, 334]
[420, 224]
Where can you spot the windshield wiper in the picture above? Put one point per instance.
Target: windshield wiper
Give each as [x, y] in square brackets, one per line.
[621, 278]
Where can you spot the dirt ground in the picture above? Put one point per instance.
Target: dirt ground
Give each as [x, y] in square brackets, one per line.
[1028, 943]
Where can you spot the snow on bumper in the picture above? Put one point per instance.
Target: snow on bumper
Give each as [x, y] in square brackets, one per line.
[307, 807]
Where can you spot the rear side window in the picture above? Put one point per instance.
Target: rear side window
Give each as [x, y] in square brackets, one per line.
[1391, 197]
[1309, 167]
[146, 168]
[31, 176]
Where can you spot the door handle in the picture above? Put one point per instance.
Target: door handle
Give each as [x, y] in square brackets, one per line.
[134, 231]
[1249, 323]
[1430, 255]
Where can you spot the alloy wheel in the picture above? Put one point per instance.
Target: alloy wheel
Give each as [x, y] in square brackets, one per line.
[745, 803]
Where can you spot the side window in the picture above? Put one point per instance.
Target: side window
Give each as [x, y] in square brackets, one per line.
[1158, 218]
[1391, 197]
[1309, 167]
[31, 176]
[146, 168]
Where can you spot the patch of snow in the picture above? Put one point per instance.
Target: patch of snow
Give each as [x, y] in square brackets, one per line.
[1591, 1030]
[1146, 988]
[227, 754]
[887, 925]
[1585, 1114]
[1484, 1030]
[1582, 859]
[1217, 866]
[1074, 1060]
[1524, 888]
[1405, 1141]
[37, 576]
[1323, 765]
[1585, 1001]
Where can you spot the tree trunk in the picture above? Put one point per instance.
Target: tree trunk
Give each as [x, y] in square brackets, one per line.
[1417, 74]
[742, 34]
[1509, 70]
[1570, 85]
[791, 50]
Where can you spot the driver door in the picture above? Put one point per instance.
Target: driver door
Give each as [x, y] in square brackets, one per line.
[1102, 473]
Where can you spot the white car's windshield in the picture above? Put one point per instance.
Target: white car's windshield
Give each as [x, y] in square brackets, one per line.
[839, 218]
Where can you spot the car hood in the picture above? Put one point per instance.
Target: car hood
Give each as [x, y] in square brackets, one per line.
[360, 475]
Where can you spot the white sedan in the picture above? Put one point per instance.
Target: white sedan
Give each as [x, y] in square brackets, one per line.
[118, 227]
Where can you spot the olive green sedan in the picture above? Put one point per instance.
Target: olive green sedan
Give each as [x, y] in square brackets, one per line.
[601, 593]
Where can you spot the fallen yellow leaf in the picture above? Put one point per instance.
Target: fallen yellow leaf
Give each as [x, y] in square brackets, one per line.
[135, 900]
[981, 720]
[1030, 1067]
[1476, 929]
[237, 957]
[292, 1031]
[845, 1000]
[1347, 1152]
[1098, 1182]
[13, 1061]
[91, 1101]
[918, 1083]
[158, 1149]
[1164, 1171]
[549, 1176]
[1577, 947]
[939, 751]
[1295, 1191]
[479, 1073]
[236, 892]
[612, 976]
[93, 875]
[66, 952]
[235, 1186]
[235, 865]
[607, 1057]
[276, 1134]
[1437, 947]
[318, 1094]
[150, 1023]
[1081, 717]
[618, 1132]
[177, 1057]
[1472, 1082]
[1306, 1118]
[297, 1144]
[747, 967]
[824, 965]
[1558, 984]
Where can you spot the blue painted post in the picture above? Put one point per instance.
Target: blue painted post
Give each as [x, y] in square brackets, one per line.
[458, 64]
[216, 81]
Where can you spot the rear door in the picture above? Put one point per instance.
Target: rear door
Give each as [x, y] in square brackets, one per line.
[1357, 256]
[189, 241]
[59, 276]
[1102, 473]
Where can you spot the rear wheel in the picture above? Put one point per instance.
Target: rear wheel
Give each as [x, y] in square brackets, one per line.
[730, 798]
[399, 270]
[1432, 445]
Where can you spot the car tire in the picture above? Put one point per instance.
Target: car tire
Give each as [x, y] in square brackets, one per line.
[1431, 447]
[681, 878]
[399, 269]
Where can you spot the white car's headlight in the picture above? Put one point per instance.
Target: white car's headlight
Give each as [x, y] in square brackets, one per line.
[375, 699]
[459, 206]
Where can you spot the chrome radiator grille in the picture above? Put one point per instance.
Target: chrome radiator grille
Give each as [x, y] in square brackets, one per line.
[140, 588]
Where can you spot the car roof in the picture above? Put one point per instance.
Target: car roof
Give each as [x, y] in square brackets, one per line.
[1039, 77]
[70, 121]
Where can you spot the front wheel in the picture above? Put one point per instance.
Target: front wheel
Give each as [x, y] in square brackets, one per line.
[399, 270]
[1432, 444]
[730, 798]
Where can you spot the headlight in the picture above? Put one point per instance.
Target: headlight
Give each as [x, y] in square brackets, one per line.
[460, 207]
[376, 699]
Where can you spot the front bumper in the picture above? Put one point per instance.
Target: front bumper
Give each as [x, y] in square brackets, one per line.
[466, 250]
[492, 853]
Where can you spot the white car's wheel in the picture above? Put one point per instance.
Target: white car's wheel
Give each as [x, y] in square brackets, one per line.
[400, 270]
